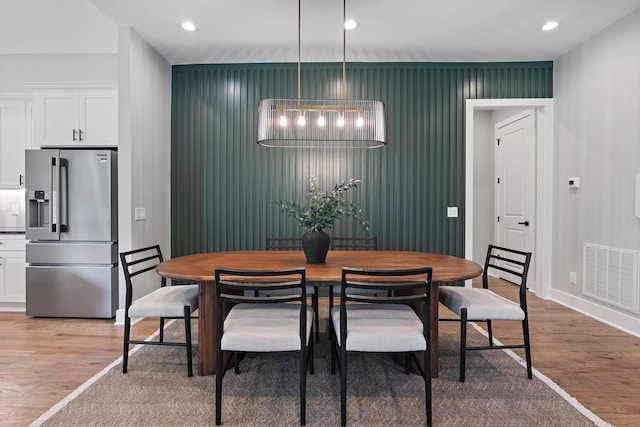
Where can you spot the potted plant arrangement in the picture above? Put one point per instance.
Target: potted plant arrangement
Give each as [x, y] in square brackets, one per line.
[321, 210]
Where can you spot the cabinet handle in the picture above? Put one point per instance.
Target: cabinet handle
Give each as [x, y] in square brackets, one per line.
[74, 134]
[21, 180]
[79, 134]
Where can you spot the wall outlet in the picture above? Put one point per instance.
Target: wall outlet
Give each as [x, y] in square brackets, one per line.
[140, 214]
[452, 211]
[573, 278]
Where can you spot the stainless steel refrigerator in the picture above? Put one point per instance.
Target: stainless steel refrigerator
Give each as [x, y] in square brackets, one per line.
[72, 233]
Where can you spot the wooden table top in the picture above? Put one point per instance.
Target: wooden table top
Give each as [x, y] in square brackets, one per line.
[200, 267]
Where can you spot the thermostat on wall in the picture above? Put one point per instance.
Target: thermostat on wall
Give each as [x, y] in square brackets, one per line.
[574, 182]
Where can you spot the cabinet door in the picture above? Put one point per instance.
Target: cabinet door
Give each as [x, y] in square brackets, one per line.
[13, 136]
[98, 121]
[56, 118]
[12, 277]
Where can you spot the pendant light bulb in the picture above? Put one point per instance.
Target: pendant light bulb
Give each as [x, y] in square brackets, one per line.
[301, 120]
[321, 120]
[283, 120]
[341, 120]
[359, 121]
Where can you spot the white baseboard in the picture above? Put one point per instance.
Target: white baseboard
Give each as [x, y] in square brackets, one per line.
[611, 317]
[13, 307]
[119, 317]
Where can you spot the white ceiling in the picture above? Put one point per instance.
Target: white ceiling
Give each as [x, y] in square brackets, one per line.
[266, 30]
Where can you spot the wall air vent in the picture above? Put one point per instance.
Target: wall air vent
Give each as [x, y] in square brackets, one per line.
[611, 275]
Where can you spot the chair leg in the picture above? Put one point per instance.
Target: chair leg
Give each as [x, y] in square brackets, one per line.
[303, 384]
[161, 329]
[329, 321]
[125, 350]
[187, 339]
[237, 356]
[490, 332]
[219, 376]
[333, 343]
[527, 347]
[310, 357]
[427, 385]
[463, 342]
[343, 385]
[407, 363]
[316, 311]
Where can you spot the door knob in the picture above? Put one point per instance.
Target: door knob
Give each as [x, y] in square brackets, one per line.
[525, 223]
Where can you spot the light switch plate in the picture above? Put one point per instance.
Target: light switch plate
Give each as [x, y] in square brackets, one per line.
[140, 214]
[452, 211]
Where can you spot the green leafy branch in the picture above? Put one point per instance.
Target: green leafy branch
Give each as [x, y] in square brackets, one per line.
[323, 208]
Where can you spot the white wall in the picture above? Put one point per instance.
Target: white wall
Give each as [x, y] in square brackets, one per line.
[484, 216]
[144, 138]
[483, 188]
[15, 70]
[597, 134]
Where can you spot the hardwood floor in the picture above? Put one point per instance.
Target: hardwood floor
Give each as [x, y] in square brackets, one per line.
[593, 362]
[43, 360]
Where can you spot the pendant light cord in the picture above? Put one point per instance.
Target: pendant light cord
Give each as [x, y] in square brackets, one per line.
[299, 20]
[344, 50]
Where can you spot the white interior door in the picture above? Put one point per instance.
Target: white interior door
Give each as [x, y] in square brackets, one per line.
[516, 185]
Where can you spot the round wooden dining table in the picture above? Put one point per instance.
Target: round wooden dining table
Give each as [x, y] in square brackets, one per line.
[200, 268]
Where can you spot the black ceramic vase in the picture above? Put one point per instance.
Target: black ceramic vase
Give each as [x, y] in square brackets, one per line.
[316, 246]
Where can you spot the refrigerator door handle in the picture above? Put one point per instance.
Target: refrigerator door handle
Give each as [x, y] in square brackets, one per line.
[54, 205]
[63, 195]
[52, 218]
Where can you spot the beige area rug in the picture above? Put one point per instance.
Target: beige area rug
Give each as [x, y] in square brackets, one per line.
[157, 392]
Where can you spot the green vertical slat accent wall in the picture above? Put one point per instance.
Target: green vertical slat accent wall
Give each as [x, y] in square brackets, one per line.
[222, 182]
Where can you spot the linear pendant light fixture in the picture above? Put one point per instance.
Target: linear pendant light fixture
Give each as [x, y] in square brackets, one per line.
[322, 123]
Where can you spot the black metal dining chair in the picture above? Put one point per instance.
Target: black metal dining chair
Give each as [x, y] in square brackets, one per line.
[262, 311]
[166, 302]
[484, 305]
[382, 322]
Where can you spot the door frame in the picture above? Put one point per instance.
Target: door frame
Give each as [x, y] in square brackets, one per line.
[544, 181]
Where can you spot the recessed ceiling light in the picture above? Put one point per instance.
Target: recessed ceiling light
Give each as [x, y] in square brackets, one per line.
[350, 24]
[188, 26]
[550, 25]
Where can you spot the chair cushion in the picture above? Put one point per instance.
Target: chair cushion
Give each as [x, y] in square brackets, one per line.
[168, 301]
[381, 328]
[480, 303]
[264, 327]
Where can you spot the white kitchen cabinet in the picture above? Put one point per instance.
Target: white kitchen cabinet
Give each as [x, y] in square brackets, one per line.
[15, 137]
[76, 117]
[12, 273]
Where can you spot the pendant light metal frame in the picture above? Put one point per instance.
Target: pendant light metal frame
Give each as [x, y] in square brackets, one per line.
[363, 120]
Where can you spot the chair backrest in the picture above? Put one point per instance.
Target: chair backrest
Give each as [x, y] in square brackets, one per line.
[232, 284]
[514, 262]
[407, 286]
[354, 243]
[284, 243]
[139, 261]
[244, 286]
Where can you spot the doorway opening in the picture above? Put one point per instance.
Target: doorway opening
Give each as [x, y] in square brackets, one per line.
[480, 201]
